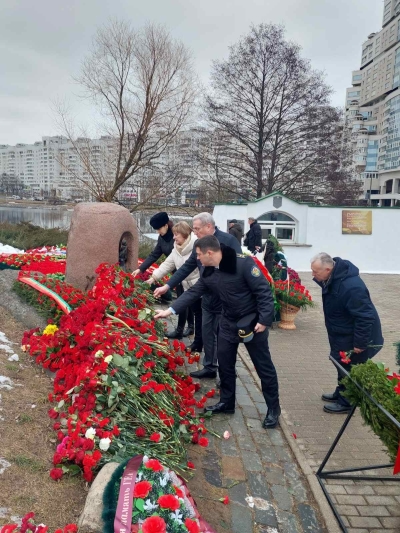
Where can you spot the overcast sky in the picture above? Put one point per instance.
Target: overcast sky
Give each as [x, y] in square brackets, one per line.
[43, 41]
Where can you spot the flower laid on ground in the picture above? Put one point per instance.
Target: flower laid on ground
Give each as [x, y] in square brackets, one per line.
[28, 524]
[45, 257]
[161, 501]
[225, 500]
[50, 329]
[293, 293]
[118, 389]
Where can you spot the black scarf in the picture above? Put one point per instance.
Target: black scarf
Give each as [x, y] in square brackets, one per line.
[168, 236]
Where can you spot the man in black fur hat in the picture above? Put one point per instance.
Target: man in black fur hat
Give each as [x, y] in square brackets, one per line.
[247, 311]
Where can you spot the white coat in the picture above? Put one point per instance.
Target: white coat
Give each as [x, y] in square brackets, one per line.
[178, 256]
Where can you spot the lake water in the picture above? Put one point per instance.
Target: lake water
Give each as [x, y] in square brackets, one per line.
[60, 217]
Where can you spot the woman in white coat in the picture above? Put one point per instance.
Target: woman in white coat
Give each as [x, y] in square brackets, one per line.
[184, 241]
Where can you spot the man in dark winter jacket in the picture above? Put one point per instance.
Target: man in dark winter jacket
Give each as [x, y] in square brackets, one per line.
[253, 239]
[247, 302]
[236, 230]
[351, 319]
[204, 224]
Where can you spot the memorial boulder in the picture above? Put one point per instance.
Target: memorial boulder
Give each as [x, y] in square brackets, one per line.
[98, 234]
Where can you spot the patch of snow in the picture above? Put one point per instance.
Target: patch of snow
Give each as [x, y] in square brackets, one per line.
[5, 383]
[6, 348]
[6, 249]
[3, 338]
[14, 357]
[3, 465]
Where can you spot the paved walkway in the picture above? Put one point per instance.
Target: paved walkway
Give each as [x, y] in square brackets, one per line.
[304, 371]
[254, 467]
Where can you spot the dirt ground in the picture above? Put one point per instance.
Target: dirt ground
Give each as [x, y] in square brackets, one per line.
[27, 442]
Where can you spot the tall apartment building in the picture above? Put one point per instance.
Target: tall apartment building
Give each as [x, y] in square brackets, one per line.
[50, 167]
[373, 111]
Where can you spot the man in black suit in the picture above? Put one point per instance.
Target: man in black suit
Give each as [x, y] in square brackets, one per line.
[247, 312]
[203, 225]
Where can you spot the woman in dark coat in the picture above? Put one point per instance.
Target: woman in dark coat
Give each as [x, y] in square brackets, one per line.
[165, 244]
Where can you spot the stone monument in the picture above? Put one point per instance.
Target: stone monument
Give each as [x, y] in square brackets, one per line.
[97, 233]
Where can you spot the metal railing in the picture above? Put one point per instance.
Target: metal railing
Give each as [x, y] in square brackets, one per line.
[344, 473]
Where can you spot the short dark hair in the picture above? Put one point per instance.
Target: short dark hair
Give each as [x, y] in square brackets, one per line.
[209, 242]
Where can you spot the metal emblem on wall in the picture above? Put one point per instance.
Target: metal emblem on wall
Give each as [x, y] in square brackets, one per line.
[277, 202]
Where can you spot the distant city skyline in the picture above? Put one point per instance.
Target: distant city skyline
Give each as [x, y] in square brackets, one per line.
[43, 43]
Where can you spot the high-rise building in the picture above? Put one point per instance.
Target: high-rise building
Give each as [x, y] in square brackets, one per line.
[58, 167]
[373, 111]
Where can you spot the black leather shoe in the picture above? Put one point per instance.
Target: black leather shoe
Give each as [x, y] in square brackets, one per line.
[188, 331]
[195, 347]
[204, 373]
[176, 334]
[271, 420]
[330, 397]
[336, 408]
[220, 407]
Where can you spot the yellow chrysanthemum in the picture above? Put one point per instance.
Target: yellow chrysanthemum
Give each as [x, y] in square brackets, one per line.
[50, 329]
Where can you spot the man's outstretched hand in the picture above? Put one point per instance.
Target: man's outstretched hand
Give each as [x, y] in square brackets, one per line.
[162, 314]
[161, 290]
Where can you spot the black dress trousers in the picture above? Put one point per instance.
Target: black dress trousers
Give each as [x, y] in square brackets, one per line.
[259, 352]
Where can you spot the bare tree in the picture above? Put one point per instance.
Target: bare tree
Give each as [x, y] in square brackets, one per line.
[272, 107]
[142, 83]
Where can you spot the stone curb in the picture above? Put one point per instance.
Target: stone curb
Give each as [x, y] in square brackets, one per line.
[320, 499]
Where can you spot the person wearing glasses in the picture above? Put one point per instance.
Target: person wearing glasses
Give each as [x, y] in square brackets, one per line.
[203, 225]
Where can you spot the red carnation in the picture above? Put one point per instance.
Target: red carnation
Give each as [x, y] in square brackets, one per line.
[192, 525]
[190, 464]
[56, 473]
[140, 432]
[142, 489]
[168, 501]
[178, 491]
[155, 437]
[203, 442]
[154, 524]
[154, 465]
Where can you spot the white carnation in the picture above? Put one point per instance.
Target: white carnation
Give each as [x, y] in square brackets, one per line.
[104, 444]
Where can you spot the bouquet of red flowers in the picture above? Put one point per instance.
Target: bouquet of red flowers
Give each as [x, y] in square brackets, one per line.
[292, 293]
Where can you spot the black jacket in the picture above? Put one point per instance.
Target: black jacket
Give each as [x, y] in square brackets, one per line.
[253, 237]
[241, 287]
[211, 301]
[350, 316]
[237, 232]
[164, 246]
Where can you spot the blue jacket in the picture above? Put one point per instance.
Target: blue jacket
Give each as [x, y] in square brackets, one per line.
[350, 316]
[211, 301]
